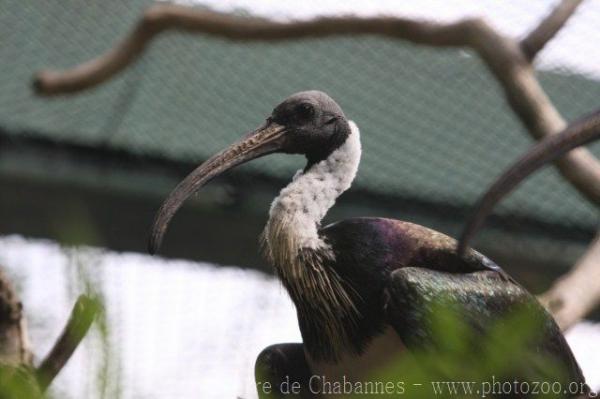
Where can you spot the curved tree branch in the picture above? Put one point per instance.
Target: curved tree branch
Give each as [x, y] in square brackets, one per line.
[162, 17]
[82, 316]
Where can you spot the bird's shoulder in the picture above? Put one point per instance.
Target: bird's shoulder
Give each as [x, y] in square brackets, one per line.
[396, 244]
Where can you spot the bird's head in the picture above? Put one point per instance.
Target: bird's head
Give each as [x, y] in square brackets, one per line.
[312, 124]
[308, 123]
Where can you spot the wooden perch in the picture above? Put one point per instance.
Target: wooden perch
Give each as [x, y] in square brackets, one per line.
[576, 294]
[82, 316]
[509, 61]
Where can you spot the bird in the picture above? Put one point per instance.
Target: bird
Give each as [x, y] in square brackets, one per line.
[358, 285]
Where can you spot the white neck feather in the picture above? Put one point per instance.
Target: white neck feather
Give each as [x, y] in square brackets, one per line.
[293, 246]
[296, 213]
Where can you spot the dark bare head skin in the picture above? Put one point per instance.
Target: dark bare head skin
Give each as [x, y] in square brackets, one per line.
[581, 132]
[308, 123]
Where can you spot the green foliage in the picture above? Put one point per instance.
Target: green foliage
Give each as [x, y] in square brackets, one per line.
[86, 276]
[18, 382]
[503, 354]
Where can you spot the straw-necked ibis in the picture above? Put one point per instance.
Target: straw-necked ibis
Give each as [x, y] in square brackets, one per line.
[359, 285]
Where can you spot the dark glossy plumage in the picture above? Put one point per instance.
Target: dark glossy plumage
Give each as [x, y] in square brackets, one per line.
[482, 299]
[395, 266]
[388, 244]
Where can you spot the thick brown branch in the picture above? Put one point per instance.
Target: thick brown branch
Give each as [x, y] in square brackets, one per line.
[577, 293]
[162, 17]
[547, 29]
[528, 100]
[83, 314]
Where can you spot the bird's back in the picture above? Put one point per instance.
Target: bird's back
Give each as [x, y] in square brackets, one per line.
[380, 243]
[409, 262]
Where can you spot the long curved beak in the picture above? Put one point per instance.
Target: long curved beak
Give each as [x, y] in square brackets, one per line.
[265, 140]
[577, 134]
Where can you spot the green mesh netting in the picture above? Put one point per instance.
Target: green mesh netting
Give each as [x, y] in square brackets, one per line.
[434, 123]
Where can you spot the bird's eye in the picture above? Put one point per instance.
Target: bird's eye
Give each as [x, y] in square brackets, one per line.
[305, 110]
